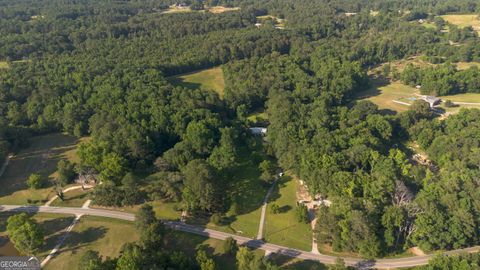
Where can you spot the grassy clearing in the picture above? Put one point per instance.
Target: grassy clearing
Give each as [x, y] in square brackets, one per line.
[107, 236]
[41, 157]
[248, 191]
[221, 9]
[463, 20]
[276, 21]
[467, 97]
[383, 95]
[467, 65]
[74, 198]
[283, 228]
[4, 65]
[52, 225]
[188, 243]
[175, 9]
[429, 25]
[208, 79]
[258, 118]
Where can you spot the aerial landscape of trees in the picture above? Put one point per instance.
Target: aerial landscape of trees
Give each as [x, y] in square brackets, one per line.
[103, 70]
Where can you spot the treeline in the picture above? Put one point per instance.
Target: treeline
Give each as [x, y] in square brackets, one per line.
[449, 215]
[442, 80]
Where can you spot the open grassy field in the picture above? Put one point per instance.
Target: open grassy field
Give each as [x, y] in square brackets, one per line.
[221, 9]
[467, 97]
[283, 228]
[41, 157]
[52, 225]
[463, 20]
[73, 198]
[276, 21]
[467, 65]
[383, 95]
[4, 64]
[188, 243]
[107, 236]
[175, 9]
[208, 79]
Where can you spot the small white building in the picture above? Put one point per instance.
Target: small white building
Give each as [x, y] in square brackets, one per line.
[258, 131]
[258, 25]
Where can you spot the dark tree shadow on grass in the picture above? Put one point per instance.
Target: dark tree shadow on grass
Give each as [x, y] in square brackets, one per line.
[73, 240]
[52, 226]
[284, 209]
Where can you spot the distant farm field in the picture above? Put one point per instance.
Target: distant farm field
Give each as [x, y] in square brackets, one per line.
[208, 79]
[463, 20]
[40, 157]
[222, 9]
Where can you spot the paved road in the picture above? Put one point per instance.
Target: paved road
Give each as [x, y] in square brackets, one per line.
[381, 263]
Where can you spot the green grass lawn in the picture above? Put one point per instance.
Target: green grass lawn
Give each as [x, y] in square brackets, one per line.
[256, 118]
[107, 236]
[73, 198]
[283, 228]
[188, 243]
[208, 79]
[248, 190]
[41, 157]
[52, 225]
[384, 95]
[429, 25]
[467, 97]
[163, 209]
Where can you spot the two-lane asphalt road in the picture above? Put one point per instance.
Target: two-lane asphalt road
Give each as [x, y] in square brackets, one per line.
[306, 255]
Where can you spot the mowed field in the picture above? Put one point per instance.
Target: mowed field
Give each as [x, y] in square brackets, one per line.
[40, 157]
[107, 236]
[283, 228]
[52, 225]
[463, 20]
[385, 95]
[208, 79]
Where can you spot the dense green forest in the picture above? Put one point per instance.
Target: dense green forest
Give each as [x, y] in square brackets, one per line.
[101, 69]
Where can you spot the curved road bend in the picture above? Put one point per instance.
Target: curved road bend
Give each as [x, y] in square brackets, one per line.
[306, 255]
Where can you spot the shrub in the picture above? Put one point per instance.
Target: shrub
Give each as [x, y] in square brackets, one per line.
[35, 181]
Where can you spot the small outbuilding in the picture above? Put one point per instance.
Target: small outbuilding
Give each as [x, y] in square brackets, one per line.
[258, 131]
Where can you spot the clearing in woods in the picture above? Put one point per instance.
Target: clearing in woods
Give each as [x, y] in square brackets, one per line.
[384, 95]
[40, 157]
[207, 79]
[463, 20]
